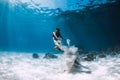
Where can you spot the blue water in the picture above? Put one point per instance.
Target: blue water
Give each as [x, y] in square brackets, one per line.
[27, 25]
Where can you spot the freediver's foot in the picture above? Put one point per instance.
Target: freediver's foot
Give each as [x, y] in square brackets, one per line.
[57, 48]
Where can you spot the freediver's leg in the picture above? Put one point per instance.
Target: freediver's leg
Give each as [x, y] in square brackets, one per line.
[58, 45]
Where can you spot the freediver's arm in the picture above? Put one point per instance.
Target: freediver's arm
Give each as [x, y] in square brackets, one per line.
[55, 36]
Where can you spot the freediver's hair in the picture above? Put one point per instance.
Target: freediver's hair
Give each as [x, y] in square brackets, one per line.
[58, 29]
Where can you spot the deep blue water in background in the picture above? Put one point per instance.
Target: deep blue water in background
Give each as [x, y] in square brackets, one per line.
[29, 28]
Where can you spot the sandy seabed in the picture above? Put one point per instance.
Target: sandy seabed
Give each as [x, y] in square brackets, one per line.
[21, 66]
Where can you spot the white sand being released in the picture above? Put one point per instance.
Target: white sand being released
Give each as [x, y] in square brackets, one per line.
[21, 66]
